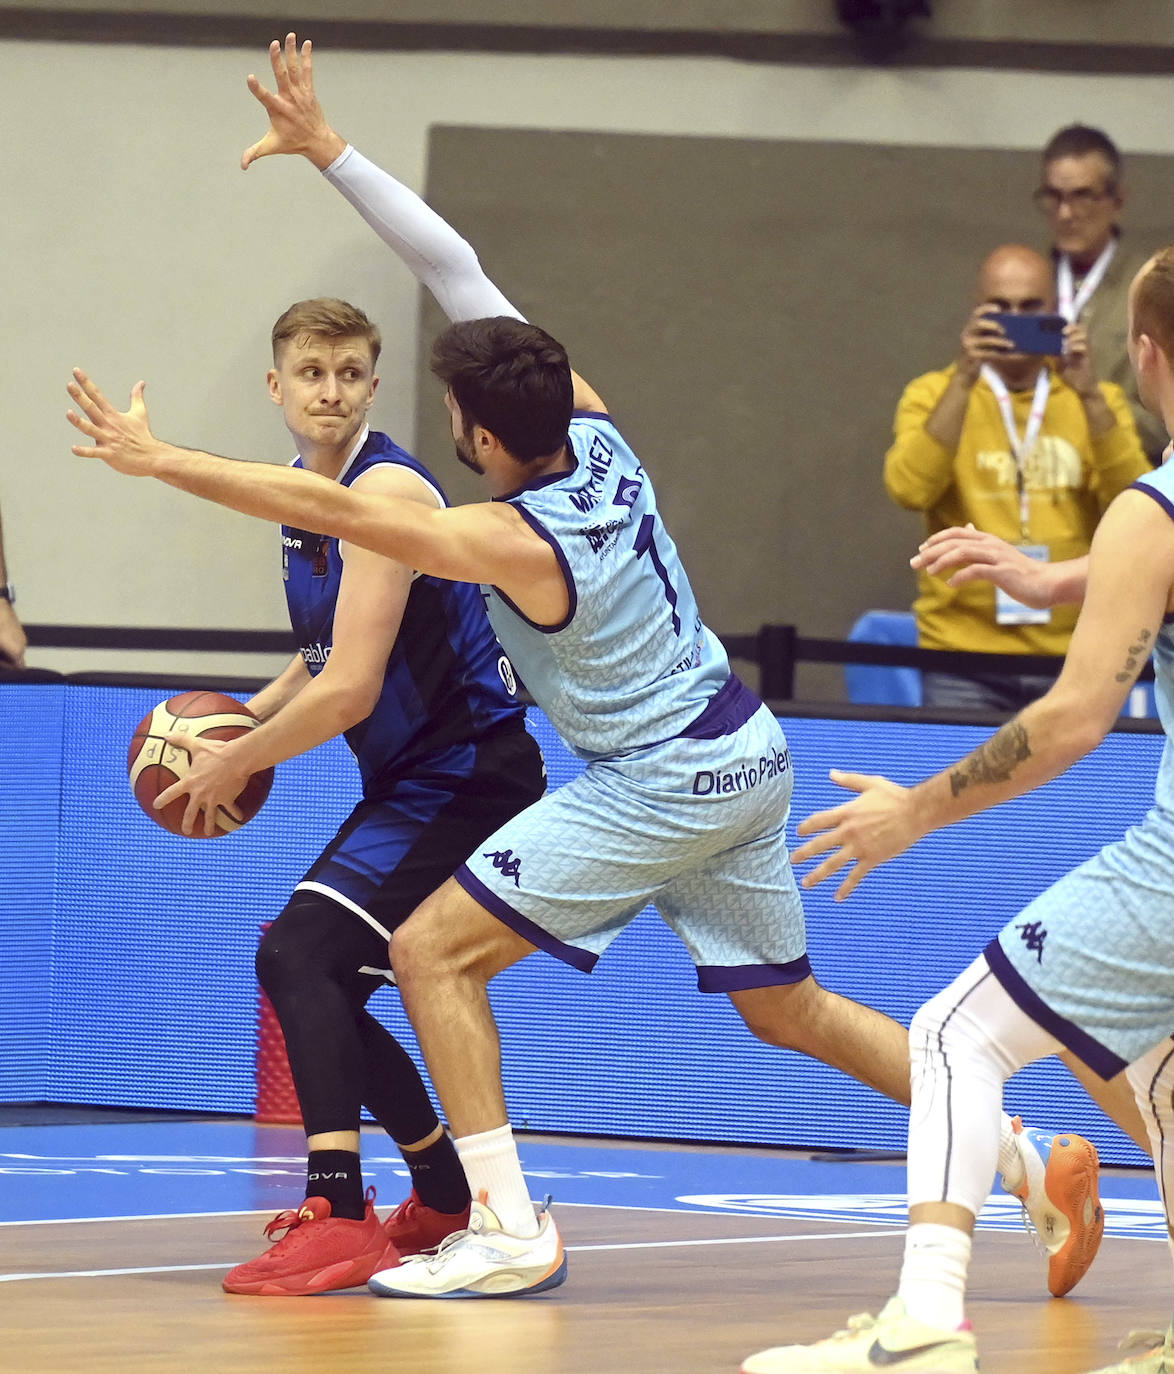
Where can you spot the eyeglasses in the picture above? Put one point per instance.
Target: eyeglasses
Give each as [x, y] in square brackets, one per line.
[1080, 201]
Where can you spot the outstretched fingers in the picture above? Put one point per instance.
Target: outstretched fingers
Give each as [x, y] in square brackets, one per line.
[839, 854]
[291, 66]
[294, 83]
[837, 860]
[121, 439]
[87, 394]
[90, 400]
[952, 555]
[829, 833]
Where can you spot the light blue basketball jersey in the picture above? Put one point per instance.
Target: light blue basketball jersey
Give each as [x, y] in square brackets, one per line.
[632, 664]
[1091, 959]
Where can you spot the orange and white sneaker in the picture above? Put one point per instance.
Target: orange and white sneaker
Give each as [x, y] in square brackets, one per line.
[414, 1226]
[318, 1253]
[1061, 1202]
[482, 1261]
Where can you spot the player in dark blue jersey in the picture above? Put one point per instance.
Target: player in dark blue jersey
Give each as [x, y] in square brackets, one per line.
[408, 669]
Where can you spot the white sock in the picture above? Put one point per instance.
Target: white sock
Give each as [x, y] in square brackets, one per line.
[1010, 1160]
[490, 1161]
[933, 1275]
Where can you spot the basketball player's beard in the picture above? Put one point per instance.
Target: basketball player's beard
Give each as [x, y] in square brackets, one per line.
[465, 456]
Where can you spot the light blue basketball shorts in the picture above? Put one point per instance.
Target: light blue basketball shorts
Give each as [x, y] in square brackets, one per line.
[694, 826]
[1091, 960]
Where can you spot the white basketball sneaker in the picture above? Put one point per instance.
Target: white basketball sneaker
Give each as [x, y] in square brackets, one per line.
[481, 1262]
[893, 1341]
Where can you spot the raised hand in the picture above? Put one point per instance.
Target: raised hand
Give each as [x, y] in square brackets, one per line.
[983, 341]
[971, 555]
[296, 122]
[1076, 365]
[122, 439]
[877, 825]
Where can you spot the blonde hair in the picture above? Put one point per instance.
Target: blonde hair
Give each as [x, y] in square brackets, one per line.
[1153, 302]
[326, 317]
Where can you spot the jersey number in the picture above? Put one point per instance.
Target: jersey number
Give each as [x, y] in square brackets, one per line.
[646, 545]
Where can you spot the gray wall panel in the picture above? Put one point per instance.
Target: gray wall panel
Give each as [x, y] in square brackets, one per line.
[750, 311]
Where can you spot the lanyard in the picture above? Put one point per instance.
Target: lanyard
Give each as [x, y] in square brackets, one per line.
[1071, 305]
[1021, 447]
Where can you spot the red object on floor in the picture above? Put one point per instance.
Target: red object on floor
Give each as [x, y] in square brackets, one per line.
[277, 1102]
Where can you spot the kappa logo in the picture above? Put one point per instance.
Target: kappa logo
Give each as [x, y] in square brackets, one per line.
[1034, 936]
[505, 863]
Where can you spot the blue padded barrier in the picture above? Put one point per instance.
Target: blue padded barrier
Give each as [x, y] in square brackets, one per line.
[128, 969]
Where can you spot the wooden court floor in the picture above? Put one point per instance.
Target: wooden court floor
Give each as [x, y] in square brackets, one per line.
[658, 1291]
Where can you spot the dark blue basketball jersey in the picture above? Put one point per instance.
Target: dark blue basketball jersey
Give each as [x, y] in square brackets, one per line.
[447, 680]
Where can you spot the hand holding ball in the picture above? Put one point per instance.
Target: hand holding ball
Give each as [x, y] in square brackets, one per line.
[156, 760]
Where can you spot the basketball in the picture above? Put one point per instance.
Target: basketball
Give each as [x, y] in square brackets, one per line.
[153, 764]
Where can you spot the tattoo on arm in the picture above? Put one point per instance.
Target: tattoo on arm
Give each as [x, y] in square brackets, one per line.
[1132, 663]
[995, 760]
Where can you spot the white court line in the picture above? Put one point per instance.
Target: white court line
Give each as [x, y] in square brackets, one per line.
[268, 1212]
[112, 1273]
[141, 1216]
[571, 1249]
[735, 1240]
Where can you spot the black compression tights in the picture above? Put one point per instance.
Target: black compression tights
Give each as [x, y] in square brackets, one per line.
[341, 1057]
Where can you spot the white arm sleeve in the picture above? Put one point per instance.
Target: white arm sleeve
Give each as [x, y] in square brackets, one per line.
[431, 247]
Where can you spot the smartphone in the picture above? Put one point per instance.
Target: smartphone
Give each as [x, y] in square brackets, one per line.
[1042, 334]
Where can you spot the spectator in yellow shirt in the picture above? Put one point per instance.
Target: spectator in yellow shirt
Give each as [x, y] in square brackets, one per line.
[1028, 447]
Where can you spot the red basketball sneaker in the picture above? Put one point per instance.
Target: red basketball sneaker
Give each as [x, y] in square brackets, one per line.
[413, 1227]
[317, 1254]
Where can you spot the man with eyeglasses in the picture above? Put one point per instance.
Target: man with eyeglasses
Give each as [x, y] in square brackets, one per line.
[1081, 194]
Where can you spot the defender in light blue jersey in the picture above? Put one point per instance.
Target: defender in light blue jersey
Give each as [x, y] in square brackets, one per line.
[687, 787]
[633, 664]
[1089, 964]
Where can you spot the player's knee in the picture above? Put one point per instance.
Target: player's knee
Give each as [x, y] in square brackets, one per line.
[783, 1015]
[945, 1031]
[279, 963]
[422, 947]
[925, 1028]
[297, 946]
[441, 941]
